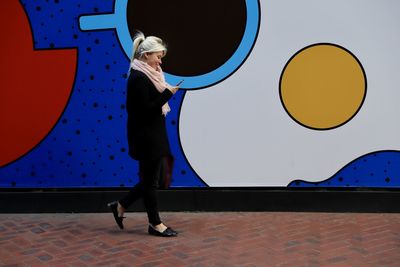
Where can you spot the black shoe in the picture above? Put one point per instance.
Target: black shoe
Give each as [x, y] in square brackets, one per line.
[167, 232]
[114, 208]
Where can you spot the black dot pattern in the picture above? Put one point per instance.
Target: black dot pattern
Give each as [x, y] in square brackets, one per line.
[372, 170]
[87, 147]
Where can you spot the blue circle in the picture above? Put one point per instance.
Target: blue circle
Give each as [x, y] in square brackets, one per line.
[118, 21]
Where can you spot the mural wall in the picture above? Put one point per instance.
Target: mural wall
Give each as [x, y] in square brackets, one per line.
[276, 93]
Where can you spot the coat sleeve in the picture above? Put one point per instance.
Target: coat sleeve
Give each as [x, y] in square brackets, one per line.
[139, 87]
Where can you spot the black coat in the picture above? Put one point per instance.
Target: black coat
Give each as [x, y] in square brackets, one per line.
[147, 133]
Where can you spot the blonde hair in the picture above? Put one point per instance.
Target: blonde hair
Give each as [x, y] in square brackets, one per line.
[150, 44]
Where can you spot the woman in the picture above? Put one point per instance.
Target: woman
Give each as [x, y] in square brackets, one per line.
[147, 106]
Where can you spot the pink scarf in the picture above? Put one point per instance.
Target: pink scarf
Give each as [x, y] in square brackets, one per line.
[156, 77]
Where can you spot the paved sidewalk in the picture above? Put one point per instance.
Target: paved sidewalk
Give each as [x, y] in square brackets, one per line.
[205, 239]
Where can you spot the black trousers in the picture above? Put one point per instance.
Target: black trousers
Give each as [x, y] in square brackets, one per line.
[150, 172]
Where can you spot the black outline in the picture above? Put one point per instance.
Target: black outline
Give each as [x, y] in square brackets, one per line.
[70, 94]
[325, 44]
[345, 166]
[180, 143]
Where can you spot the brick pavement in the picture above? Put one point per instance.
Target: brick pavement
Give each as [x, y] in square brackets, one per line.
[206, 239]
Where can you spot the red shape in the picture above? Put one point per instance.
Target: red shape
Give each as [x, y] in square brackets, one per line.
[35, 85]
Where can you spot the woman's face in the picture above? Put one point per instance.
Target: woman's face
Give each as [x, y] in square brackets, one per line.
[154, 59]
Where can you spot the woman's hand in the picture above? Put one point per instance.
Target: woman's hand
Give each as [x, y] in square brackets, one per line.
[174, 89]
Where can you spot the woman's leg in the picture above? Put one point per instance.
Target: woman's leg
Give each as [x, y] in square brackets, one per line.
[147, 188]
[150, 172]
[134, 194]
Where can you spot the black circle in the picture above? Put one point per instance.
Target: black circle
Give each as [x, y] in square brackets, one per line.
[201, 35]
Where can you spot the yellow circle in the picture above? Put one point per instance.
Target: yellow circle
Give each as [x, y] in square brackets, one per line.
[323, 86]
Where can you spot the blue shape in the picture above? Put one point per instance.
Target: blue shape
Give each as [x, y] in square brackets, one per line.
[377, 169]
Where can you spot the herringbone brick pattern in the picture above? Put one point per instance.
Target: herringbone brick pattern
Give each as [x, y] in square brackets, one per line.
[205, 239]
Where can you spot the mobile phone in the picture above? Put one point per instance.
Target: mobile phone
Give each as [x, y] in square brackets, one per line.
[180, 82]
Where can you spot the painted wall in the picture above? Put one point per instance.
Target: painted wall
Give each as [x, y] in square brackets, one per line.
[276, 93]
